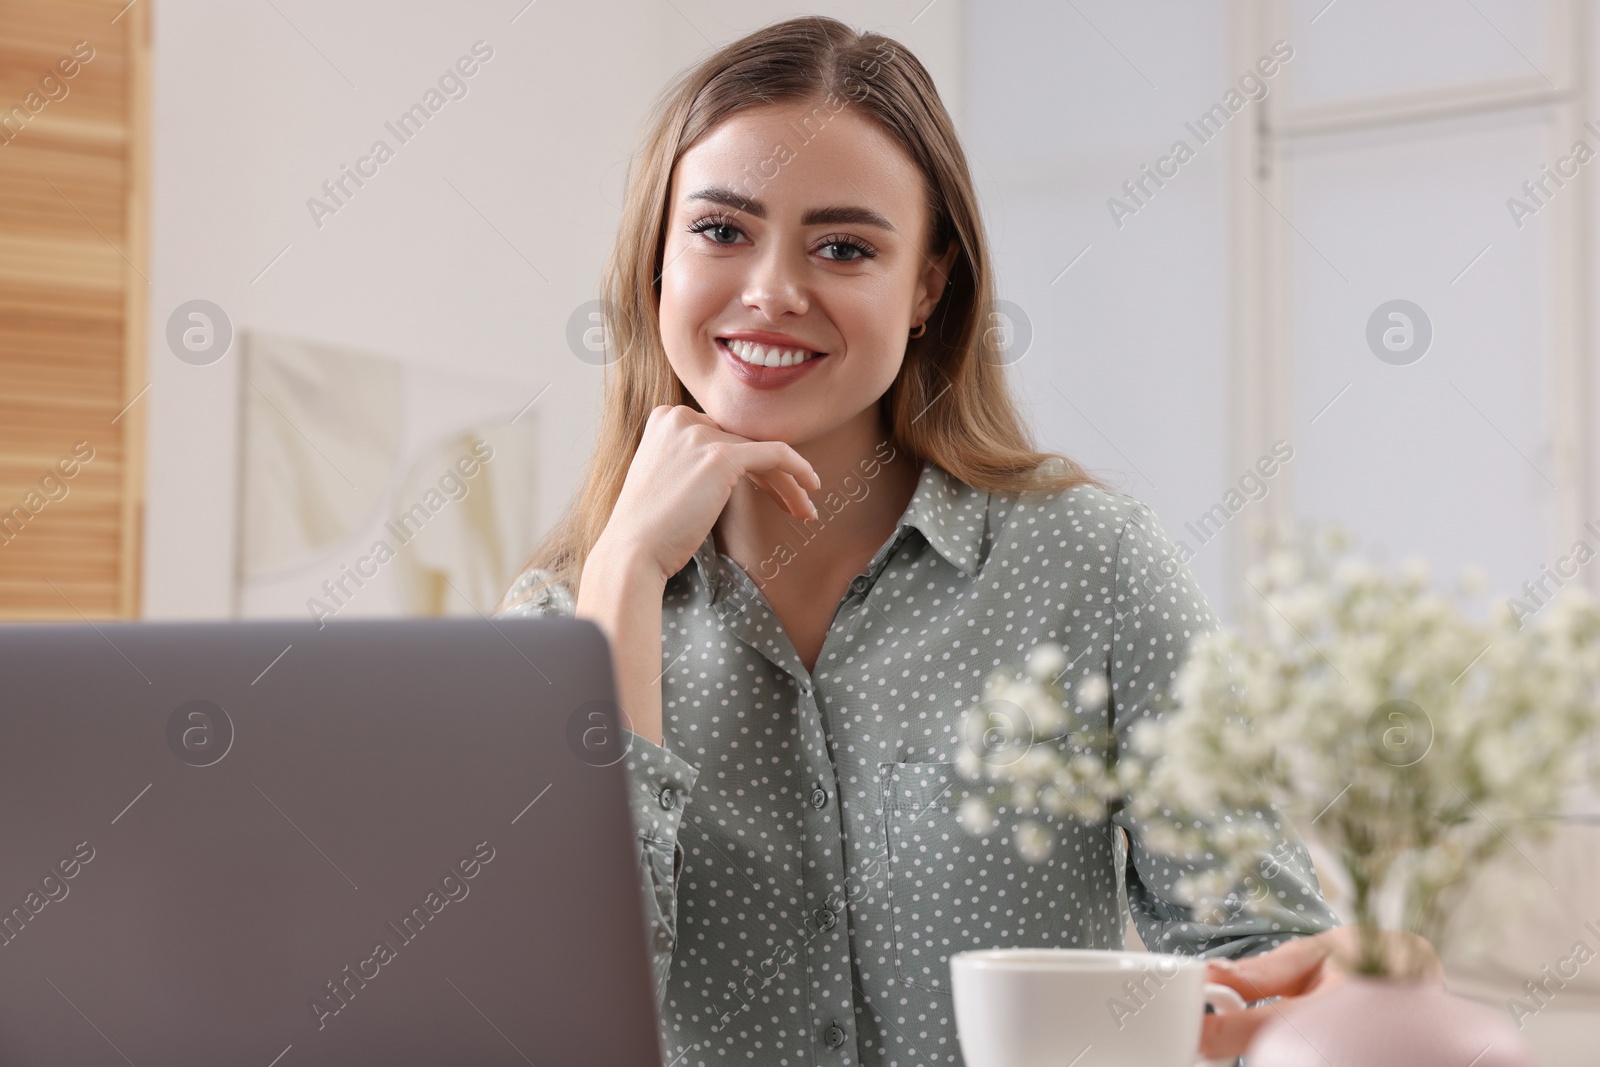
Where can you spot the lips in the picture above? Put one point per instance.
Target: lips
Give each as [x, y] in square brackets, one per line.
[768, 351]
[764, 377]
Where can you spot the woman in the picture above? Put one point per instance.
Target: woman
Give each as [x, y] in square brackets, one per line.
[797, 305]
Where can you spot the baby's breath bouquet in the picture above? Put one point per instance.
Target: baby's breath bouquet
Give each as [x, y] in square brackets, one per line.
[1406, 740]
[1003, 741]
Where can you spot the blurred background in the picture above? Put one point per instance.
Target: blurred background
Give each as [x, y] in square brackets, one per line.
[1329, 259]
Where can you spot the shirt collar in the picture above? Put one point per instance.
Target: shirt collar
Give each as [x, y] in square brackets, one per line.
[949, 513]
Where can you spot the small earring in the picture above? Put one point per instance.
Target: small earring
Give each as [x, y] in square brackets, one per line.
[922, 328]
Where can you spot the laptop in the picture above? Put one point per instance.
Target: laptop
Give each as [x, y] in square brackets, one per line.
[283, 844]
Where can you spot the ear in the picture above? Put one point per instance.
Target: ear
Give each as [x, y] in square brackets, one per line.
[930, 286]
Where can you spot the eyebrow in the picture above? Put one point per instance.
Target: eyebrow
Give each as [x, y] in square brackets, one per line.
[817, 216]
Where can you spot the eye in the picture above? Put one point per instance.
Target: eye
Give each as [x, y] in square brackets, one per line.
[714, 223]
[848, 244]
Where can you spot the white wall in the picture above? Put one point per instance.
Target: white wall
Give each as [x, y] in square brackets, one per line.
[1127, 370]
[256, 105]
[1130, 363]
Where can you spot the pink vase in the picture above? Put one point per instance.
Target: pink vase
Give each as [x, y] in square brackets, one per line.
[1377, 1022]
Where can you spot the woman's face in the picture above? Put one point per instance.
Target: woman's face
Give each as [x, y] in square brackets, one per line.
[812, 244]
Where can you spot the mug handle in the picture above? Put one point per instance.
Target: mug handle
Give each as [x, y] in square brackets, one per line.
[1223, 999]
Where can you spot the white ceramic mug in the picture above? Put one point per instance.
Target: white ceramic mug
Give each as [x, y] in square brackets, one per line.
[1042, 1007]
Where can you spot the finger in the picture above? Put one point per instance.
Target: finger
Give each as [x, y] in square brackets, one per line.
[771, 453]
[777, 484]
[793, 496]
[773, 465]
[1410, 953]
[760, 482]
[1284, 970]
[681, 413]
[785, 492]
[805, 507]
[1230, 1033]
[782, 456]
[774, 458]
[753, 453]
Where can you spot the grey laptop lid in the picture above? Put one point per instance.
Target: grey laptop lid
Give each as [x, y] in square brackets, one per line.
[378, 842]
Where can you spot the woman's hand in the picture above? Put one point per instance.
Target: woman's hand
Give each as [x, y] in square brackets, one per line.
[1303, 966]
[679, 481]
[682, 474]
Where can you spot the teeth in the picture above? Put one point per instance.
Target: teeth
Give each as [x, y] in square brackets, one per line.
[765, 356]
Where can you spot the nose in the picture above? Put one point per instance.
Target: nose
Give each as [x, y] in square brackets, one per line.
[776, 285]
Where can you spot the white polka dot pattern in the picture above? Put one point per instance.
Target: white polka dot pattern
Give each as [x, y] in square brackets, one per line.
[808, 887]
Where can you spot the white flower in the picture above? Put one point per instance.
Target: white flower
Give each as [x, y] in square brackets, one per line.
[1034, 842]
[1093, 690]
[1354, 572]
[1415, 570]
[977, 816]
[1046, 661]
[1331, 539]
[1146, 737]
[1294, 714]
[1284, 568]
[1046, 717]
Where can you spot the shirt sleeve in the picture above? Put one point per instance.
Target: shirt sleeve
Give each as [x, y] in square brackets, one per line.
[660, 784]
[1159, 608]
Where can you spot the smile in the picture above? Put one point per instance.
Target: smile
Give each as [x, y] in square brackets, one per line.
[767, 355]
[778, 368]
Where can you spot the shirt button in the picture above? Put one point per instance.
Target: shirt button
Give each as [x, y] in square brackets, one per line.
[805, 687]
[819, 798]
[859, 584]
[668, 798]
[827, 919]
[834, 1035]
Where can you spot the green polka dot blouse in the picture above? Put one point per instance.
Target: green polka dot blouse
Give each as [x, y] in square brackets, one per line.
[802, 867]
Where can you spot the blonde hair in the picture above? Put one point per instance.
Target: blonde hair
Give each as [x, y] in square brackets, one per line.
[951, 402]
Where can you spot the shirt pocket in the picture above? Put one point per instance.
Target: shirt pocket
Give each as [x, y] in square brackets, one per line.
[950, 890]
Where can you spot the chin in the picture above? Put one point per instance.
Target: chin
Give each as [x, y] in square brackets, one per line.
[756, 428]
